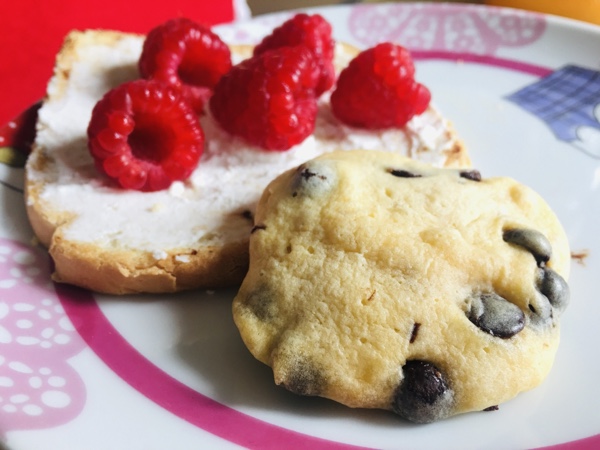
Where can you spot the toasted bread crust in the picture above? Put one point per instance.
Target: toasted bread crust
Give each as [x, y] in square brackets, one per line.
[117, 271]
[114, 270]
[69, 53]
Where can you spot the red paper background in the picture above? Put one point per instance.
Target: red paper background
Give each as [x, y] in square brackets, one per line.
[32, 31]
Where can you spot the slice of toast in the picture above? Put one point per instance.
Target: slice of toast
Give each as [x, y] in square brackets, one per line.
[194, 234]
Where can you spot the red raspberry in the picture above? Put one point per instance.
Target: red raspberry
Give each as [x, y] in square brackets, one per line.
[145, 136]
[313, 32]
[187, 55]
[378, 90]
[269, 100]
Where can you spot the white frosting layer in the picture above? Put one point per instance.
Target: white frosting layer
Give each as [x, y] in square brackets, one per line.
[208, 208]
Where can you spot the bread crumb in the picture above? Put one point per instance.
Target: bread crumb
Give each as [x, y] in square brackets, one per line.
[160, 254]
[157, 207]
[177, 189]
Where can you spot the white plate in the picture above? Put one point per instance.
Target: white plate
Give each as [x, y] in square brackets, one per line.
[152, 372]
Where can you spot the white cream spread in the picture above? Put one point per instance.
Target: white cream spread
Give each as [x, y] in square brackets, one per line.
[208, 208]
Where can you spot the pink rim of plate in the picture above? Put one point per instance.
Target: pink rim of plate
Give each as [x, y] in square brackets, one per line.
[186, 403]
[200, 410]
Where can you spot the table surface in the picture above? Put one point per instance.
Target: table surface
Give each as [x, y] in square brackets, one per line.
[33, 31]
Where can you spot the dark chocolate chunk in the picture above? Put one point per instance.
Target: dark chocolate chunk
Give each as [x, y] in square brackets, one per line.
[304, 379]
[554, 287]
[313, 178]
[261, 303]
[414, 332]
[404, 173]
[533, 241]
[496, 315]
[306, 173]
[492, 408]
[424, 394]
[541, 311]
[473, 175]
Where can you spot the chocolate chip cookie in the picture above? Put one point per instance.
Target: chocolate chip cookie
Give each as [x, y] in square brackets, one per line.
[381, 282]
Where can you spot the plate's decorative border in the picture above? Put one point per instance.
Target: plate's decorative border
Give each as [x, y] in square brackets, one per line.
[171, 394]
[445, 27]
[38, 387]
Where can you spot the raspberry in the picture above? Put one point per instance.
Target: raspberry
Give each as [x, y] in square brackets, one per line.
[186, 55]
[314, 32]
[269, 100]
[144, 135]
[378, 90]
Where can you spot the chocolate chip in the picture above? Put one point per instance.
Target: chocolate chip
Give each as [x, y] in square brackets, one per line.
[304, 379]
[541, 311]
[307, 174]
[414, 332]
[403, 173]
[492, 408]
[261, 303]
[247, 214]
[423, 395]
[313, 178]
[473, 175]
[531, 240]
[496, 315]
[554, 288]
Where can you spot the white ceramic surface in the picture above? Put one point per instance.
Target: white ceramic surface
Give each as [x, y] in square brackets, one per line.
[83, 371]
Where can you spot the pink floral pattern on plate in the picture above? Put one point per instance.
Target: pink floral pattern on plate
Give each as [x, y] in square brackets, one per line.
[38, 388]
[438, 27]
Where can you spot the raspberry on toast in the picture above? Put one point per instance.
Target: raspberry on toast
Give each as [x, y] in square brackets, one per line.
[195, 233]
